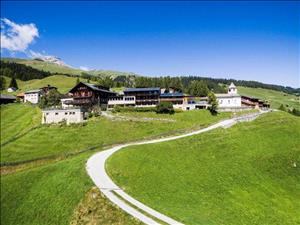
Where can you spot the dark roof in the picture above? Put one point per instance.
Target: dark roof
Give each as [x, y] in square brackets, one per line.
[94, 87]
[142, 89]
[7, 97]
[176, 94]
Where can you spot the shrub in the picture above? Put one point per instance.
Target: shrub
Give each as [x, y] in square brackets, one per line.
[282, 108]
[133, 109]
[165, 107]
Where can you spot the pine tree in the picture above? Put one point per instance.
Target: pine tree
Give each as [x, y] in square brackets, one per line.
[212, 100]
[13, 83]
[77, 81]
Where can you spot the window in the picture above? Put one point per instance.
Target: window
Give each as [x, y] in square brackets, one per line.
[66, 113]
[56, 113]
[47, 114]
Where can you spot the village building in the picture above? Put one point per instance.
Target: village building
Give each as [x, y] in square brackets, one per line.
[176, 98]
[66, 102]
[5, 99]
[231, 100]
[20, 97]
[71, 115]
[121, 100]
[254, 102]
[33, 96]
[48, 88]
[11, 89]
[144, 97]
[86, 95]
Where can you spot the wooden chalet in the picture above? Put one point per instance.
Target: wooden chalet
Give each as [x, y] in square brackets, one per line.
[254, 102]
[87, 95]
[144, 96]
[176, 98]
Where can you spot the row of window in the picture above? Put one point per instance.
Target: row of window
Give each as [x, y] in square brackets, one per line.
[66, 113]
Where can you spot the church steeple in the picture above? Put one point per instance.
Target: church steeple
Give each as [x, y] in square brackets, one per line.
[232, 89]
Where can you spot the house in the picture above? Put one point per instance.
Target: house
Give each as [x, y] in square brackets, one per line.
[33, 96]
[66, 102]
[144, 97]
[47, 88]
[5, 99]
[20, 97]
[231, 100]
[87, 95]
[176, 98]
[254, 102]
[11, 89]
[72, 115]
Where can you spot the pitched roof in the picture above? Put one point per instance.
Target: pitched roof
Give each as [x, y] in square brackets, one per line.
[176, 94]
[232, 85]
[7, 97]
[93, 87]
[142, 89]
[227, 95]
[33, 91]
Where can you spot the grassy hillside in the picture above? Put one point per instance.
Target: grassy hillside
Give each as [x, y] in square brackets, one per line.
[17, 119]
[276, 98]
[63, 83]
[248, 174]
[51, 189]
[55, 68]
[56, 140]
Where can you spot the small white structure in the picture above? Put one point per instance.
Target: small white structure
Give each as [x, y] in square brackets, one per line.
[230, 100]
[32, 96]
[60, 115]
[11, 89]
[65, 103]
[121, 101]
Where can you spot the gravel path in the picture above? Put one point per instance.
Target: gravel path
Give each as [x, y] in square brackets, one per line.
[96, 169]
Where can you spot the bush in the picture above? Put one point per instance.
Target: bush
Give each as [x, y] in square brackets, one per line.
[282, 108]
[165, 107]
[133, 109]
[295, 112]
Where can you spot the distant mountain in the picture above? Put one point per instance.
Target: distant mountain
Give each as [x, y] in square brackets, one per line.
[52, 59]
[55, 65]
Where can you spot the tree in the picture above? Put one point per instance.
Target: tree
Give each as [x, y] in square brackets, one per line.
[13, 83]
[198, 88]
[2, 83]
[212, 100]
[77, 80]
[282, 108]
[165, 107]
[52, 98]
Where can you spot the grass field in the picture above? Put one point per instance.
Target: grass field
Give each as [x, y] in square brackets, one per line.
[248, 174]
[49, 193]
[275, 98]
[49, 140]
[63, 83]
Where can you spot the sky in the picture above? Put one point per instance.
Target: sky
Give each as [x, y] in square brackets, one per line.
[222, 39]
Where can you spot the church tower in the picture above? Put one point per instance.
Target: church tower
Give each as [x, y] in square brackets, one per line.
[232, 89]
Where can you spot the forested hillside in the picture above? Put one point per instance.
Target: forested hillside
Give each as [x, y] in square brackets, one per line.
[35, 69]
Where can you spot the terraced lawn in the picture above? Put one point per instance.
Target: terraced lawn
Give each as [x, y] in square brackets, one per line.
[247, 174]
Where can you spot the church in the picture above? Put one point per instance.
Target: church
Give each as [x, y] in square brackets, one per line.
[230, 100]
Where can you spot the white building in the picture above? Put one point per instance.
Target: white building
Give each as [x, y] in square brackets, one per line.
[230, 100]
[32, 96]
[65, 103]
[121, 101]
[60, 115]
[11, 89]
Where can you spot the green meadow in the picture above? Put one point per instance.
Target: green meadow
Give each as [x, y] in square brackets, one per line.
[276, 98]
[49, 191]
[247, 174]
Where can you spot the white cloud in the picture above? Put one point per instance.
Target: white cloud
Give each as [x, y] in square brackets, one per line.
[17, 37]
[84, 68]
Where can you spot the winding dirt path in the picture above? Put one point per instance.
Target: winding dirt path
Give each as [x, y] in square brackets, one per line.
[96, 169]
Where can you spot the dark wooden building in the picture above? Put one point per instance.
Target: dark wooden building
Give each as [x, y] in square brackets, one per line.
[87, 95]
[175, 98]
[5, 99]
[254, 102]
[144, 96]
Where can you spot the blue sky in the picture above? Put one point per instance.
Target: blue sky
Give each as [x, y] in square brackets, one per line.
[241, 40]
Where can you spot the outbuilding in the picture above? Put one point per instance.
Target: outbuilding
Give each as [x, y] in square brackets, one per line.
[72, 115]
